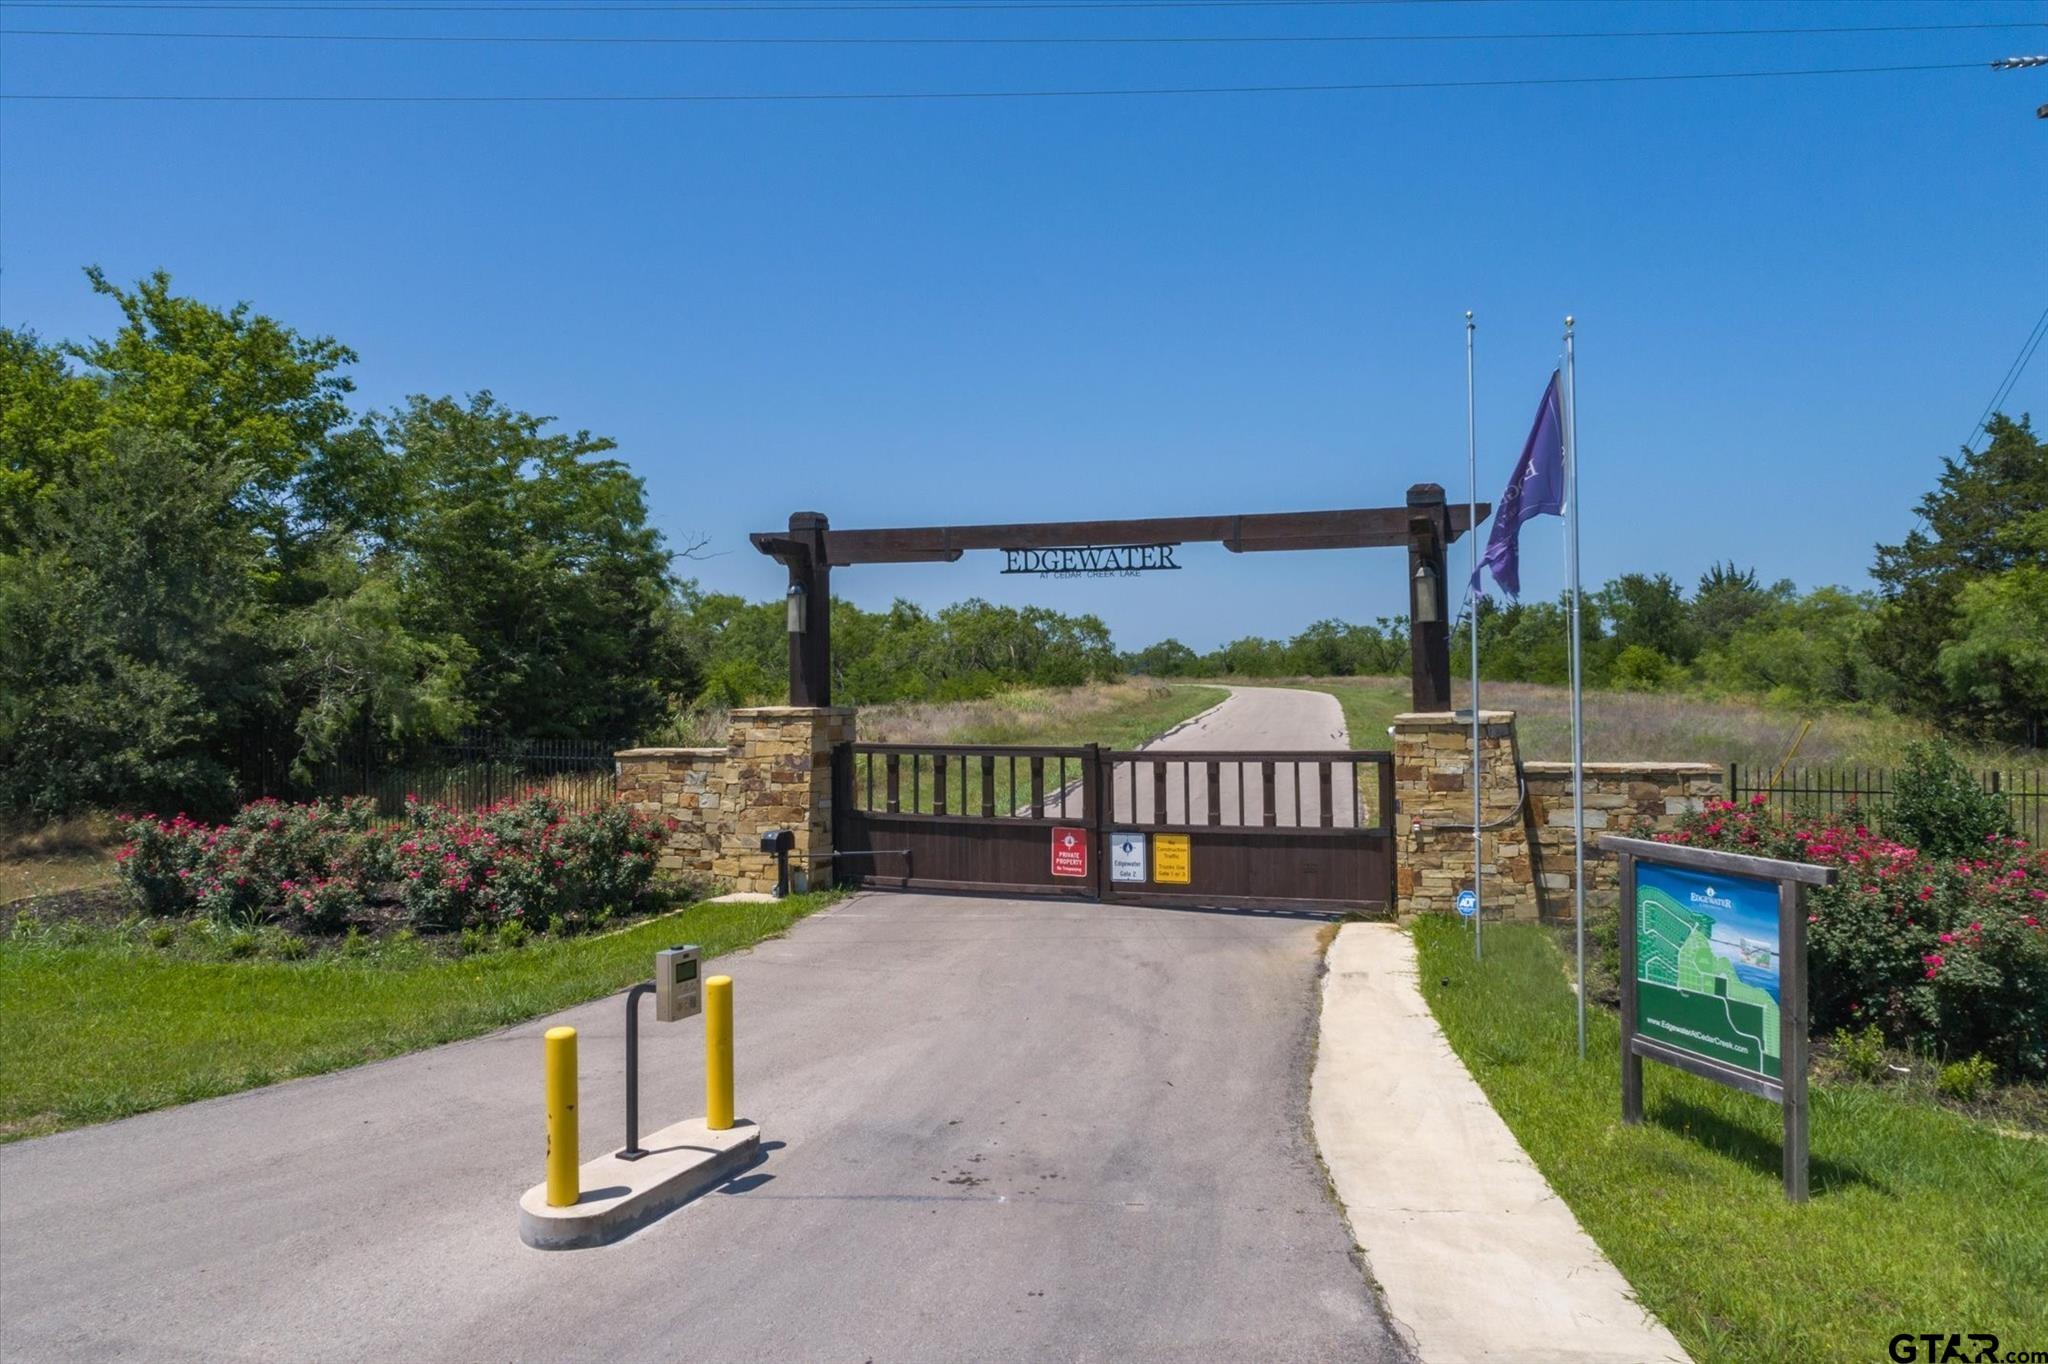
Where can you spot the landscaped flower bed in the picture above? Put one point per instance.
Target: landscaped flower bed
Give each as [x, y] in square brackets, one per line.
[1946, 955]
[321, 867]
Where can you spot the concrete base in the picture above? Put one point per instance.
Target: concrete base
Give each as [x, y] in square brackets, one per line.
[742, 897]
[622, 1196]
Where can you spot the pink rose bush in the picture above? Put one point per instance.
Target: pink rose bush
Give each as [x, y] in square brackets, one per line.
[321, 865]
[1946, 954]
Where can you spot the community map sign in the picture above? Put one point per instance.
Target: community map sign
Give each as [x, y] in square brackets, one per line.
[1708, 966]
[1713, 975]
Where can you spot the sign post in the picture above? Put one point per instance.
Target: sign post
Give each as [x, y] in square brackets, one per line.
[1713, 975]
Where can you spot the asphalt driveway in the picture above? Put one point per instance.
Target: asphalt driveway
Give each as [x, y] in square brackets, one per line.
[998, 1130]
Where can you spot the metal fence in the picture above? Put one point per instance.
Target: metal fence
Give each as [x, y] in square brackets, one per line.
[1825, 790]
[467, 774]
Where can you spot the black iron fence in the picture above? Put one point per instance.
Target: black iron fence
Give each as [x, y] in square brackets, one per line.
[1826, 790]
[467, 774]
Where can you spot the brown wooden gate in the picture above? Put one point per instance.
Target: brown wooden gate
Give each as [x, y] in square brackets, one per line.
[1252, 830]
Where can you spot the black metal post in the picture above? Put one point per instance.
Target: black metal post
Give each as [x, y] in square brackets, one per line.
[1429, 641]
[632, 1149]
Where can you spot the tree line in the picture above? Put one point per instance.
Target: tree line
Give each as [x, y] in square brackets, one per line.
[1956, 630]
[208, 555]
[207, 552]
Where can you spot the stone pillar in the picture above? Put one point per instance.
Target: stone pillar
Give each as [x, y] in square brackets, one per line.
[782, 761]
[1433, 783]
[775, 772]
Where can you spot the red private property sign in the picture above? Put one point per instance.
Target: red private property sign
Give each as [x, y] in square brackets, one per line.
[1069, 852]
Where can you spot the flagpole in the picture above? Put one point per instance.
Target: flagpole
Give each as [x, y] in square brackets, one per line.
[1472, 623]
[1571, 446]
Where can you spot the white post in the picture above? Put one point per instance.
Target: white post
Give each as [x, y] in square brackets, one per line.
[1472, 623]
[1571, 455]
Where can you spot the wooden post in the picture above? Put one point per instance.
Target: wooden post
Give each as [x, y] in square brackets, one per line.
[1792, 1025]
[810, 653]
[1631, 1063]
[1429, 644]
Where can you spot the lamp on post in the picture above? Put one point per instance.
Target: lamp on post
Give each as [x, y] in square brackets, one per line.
[1429, 597]
[799, 604]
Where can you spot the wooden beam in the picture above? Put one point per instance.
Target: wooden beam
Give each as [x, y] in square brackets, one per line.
[1356, 528]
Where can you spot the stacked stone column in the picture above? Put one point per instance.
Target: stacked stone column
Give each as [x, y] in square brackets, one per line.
[775, 772]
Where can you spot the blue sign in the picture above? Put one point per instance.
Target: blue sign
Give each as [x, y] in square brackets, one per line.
[1468, 903]
[1707, 965]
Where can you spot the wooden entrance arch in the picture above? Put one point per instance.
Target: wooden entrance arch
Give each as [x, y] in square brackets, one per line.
[1426, 524]
[1273, 830]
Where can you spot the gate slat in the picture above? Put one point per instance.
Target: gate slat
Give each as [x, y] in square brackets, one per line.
[1215, 792]
[939, 785]
[1329, 816]
[1269, 817]
[1037, 786]
[893, 781]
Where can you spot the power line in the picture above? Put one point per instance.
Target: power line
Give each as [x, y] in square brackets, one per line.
[909, 95]
[2012, 375]
[1218, 39]
[712, 6]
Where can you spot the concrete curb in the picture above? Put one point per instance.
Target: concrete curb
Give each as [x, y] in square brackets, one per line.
[622, 1196]
[1477, 1258]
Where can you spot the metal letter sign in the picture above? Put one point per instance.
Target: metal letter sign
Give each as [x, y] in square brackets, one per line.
[1069, 852]
[1713, 975]
[1126, 857]
[1091, 561]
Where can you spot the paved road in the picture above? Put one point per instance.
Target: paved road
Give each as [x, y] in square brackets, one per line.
[1000, 1130]
[1253, 719]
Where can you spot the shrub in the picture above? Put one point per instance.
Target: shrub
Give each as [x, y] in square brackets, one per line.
[323, 905]
[525, 861]
[1861, 1053]
[1966, 1080]
[1942, 954]
[1939, 808]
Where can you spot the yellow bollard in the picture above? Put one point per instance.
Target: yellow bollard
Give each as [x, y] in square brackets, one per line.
[718, 1053]
[559, 1056]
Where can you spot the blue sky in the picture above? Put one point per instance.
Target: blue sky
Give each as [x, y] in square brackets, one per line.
[1794, 295]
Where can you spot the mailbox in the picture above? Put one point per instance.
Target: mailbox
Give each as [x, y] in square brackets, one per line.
[779, 842]
[678, 990]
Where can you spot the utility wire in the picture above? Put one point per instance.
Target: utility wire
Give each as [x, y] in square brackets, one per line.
[2012, 375]
[1224, 39]
[714, 6]
[906, 95]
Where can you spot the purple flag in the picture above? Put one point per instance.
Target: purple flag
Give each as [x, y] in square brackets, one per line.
[1536, 489]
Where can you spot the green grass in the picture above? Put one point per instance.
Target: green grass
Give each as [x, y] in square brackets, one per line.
[99, 1025]
[1920, 1220]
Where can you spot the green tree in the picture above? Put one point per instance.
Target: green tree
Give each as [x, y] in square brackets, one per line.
[1650, 610]
[1729, 598]
[1167, 658]
[132, 638]
[537, 555]
[50, 418]
[1973, 527]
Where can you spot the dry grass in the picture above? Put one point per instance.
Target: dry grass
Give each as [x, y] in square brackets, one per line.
[1669, 726]
[65, 854]
[1116, 713]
